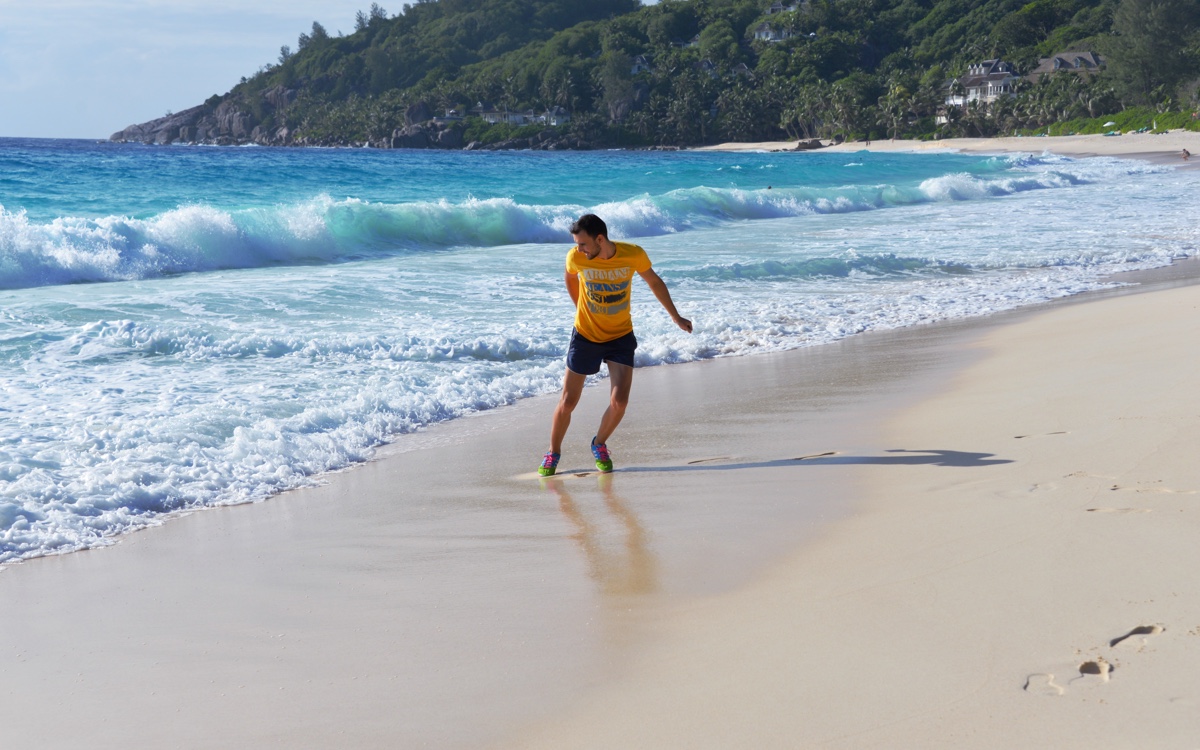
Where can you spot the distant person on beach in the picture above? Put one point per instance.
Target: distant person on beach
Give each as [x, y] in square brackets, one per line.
[1186, 154]
[599, 278]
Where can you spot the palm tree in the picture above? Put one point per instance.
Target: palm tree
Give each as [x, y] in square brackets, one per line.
[894, 106]
[844, 107]
[975, 116]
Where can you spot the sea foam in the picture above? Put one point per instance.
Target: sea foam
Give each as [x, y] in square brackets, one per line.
[242, 350]
[202, 237]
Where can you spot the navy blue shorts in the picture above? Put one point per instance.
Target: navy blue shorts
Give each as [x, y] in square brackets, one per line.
[584, 356]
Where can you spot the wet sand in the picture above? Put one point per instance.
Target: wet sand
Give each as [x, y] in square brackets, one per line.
[439, 596]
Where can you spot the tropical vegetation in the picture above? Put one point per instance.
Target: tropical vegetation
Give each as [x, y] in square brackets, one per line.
[685, 72]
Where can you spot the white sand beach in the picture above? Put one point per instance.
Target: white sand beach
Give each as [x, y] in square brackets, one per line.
[979, 534]
[1167, 147]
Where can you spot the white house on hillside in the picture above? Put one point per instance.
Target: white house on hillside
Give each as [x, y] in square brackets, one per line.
[556, 116]
[765, 32]
[984, 82]
[489, 113]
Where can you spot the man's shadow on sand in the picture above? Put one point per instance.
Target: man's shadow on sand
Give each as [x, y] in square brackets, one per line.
[924, 457]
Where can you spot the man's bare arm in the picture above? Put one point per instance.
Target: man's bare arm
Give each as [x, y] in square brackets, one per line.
[572, 282]
[659, 287]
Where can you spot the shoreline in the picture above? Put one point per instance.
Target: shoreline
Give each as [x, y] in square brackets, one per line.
[433, 577]
[1163, 149]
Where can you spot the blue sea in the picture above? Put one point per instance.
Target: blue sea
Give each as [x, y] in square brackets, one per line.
[185, 327]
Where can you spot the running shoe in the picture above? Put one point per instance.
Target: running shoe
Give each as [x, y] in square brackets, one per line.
[603, 460]
[549, 465]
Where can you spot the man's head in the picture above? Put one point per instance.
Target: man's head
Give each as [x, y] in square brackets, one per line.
[590, 232]
[591, 225]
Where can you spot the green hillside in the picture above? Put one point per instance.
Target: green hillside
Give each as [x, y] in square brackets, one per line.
[685, 72]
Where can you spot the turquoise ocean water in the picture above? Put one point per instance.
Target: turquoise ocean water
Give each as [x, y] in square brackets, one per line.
[188, 327]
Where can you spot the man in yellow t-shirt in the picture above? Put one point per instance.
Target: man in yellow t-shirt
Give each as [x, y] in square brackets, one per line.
[599, 278]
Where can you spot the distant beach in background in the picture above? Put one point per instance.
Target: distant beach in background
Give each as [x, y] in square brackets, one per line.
[1163, 148]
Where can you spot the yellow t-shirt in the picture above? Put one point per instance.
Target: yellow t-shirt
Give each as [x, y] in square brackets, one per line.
[604, 291]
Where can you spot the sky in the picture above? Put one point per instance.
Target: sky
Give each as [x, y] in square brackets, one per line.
[90, 68]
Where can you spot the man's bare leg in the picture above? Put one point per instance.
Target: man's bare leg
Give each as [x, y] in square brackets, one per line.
[620, 380]
[572, 388]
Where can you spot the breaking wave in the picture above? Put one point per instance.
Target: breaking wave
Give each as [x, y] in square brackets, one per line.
[196, 238]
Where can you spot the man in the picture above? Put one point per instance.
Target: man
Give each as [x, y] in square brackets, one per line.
[599, 278]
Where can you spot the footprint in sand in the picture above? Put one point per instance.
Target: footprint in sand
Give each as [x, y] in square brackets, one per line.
[1094, 670]
[1131, 639]
[1043, 684]
[1155, 486]
[1086, 475]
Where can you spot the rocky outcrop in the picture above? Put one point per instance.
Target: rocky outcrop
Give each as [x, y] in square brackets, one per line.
[163, 130]
[229, 123]
[279, 98]
[225, 124]
[547, 140]
[449, 138]
[431, 134]
[435, 134]
[411, 136]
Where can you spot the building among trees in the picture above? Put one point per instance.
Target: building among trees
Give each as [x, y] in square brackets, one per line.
[985, 82]
[1083, 63]
[765, 32]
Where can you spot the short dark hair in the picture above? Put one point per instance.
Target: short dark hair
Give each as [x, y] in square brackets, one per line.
[591, 225]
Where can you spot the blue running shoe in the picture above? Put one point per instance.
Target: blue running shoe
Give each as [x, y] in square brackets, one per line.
[603, 459]
[549, 465]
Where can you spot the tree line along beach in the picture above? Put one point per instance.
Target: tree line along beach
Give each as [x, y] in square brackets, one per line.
[546, 74]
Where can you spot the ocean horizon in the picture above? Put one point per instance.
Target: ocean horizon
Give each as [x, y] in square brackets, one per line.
[190, 327]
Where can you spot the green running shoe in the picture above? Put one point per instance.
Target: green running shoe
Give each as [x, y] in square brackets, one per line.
[603, 460]
[549, 465]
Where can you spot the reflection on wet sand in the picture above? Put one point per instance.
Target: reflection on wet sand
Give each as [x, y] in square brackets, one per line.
[630, 569]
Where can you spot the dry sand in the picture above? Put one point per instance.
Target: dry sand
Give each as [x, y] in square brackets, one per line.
[1166, 148]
